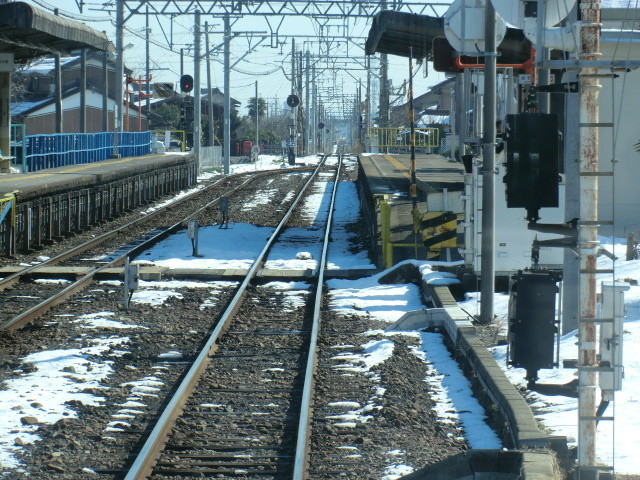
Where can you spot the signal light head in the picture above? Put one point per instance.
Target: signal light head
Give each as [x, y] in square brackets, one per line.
[186, 83]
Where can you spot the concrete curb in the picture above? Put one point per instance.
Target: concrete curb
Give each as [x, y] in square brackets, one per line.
[521, 431]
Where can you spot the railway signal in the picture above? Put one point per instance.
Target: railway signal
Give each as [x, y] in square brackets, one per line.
[186, 83]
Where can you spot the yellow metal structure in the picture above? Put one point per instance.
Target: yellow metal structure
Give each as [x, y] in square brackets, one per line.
[183, 137]
[439, 231]
[8, 214]
[400, 137]
[385, 233]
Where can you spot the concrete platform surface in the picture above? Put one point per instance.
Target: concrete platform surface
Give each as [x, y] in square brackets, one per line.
[70, 177]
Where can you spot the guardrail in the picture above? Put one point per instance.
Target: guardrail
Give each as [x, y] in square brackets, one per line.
[57, 150]
[401, 137]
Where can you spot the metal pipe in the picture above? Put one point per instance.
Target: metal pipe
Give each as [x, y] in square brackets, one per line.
[487, 263]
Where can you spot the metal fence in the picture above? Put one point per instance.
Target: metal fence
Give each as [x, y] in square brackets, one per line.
[401, 137]
[57, 150]
[211, 156]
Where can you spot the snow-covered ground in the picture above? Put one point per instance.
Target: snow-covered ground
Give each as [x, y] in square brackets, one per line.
[47, 393]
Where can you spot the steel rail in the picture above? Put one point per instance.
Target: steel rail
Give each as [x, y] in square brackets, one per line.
[301, 460]
[143, 465]
[77, 286]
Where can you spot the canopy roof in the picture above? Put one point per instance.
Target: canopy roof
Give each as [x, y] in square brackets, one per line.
[28, 32]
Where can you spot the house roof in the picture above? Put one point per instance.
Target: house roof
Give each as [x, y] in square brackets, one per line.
[45, 65]
[30, 32]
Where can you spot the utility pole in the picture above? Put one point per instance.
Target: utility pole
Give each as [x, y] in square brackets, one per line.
[307, 106]
[197, 107]
[119, 75]
[227, 94]
[487, 263]
[148, 63]
[588, 238]
[83, 90]
[210, 128]
[257, 122]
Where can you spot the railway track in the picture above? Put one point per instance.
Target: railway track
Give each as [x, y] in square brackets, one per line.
[117, 244]
[243, 408]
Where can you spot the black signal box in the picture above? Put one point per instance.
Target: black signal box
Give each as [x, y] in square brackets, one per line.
[532, 162]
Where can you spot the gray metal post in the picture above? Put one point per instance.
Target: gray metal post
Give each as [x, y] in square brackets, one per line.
[181, 62]
[227, 95]
[211, 125]
[257, 121]
[58, 93]
[314, 119]
[83, 90]
[307, 106]
[383, 116]
[367, 121]
[487, 282]
[148, 62]
[119, 91]
[571, 264]
[294, 117]
[105, 92]
[197, 107]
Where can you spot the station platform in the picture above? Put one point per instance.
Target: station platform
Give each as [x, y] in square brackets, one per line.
[385, 181]
[42, 207]
[26, 186]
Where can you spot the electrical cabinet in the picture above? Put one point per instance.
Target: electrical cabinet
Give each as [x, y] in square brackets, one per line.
[532, 321]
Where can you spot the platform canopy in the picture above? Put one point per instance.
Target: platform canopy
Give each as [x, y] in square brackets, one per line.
[28, 32]
[394, 32]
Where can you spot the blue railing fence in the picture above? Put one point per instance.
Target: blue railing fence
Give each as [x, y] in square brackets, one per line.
[58, 150]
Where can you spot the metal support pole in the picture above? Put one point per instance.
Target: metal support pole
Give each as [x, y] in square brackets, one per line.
[571, 263]
[307, 109]
[83, 90]
[294, 130]
[148, 62]
[461, 103]
[257, 122]
[314, 117]
[211, 124]
[119, 74]
[197, 107]
[588, 237]
[227, 94]
[181, 62]
[487, 265]
[367, 120]
[105, 92]
[58, 93]
[413, 190]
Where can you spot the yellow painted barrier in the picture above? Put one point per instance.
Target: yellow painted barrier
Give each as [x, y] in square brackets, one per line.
[400, 137]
